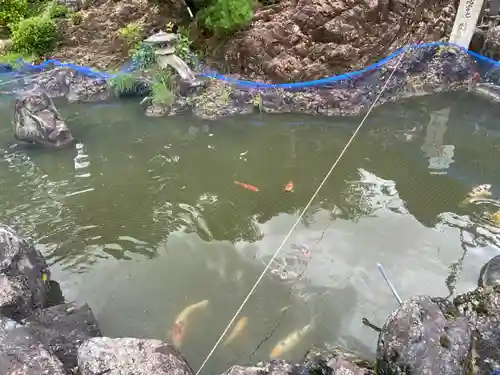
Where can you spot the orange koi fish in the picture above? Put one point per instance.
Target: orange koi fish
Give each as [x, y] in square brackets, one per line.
[246, 186]
[289, 187]
[238, 328]
[179, 329]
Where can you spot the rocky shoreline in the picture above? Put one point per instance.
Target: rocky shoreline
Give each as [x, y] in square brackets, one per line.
[42, 334]
[421, 71]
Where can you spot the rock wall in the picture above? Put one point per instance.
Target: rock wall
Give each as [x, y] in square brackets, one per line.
[297, 40]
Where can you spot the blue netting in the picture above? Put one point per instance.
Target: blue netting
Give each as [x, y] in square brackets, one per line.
[487, 68]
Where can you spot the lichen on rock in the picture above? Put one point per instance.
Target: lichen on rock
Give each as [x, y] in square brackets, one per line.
[130, 356]
[425, 336]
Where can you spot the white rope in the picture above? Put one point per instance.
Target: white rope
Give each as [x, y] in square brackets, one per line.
[300, 216]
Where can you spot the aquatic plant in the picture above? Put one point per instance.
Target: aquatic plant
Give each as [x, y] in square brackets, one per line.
[162, 88]
[257, 101]
[123, 83]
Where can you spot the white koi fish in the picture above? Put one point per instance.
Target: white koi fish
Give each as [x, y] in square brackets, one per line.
[179, 328]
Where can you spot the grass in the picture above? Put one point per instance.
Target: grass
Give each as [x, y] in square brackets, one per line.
[11, 58]
[122, 83]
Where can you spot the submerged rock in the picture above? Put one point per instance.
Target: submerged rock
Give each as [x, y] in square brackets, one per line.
[276, 367]
[337, 361]
[23, 354]
[23, 275]
[62, 329]
[130, 356]
[425, 336]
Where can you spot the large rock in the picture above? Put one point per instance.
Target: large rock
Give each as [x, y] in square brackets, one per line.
[129, 356]
[24, 275]
[37, 121]
[298, 40]
[74, 85]
[425, 336]
[482, 308]
[337, 361]
[62, 329]
[23, 354]
[490, 273]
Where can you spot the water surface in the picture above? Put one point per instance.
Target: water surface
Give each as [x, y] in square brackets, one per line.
[143, 217]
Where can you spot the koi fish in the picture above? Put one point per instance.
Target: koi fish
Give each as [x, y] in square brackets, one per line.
[291, 340]
[481, 191]
[289, 187]
[246, 186]
[238, 328]
[179, 328]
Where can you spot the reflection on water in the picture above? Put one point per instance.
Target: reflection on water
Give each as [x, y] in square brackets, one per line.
[143, 218]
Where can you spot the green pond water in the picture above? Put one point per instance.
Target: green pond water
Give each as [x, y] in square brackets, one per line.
[143, 218]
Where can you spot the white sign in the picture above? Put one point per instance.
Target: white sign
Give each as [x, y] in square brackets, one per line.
[465, 22]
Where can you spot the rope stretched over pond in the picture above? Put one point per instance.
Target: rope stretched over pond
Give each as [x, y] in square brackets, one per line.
[335, 163]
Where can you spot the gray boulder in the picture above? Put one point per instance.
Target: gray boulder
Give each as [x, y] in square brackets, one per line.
[337, 361]
[36, 121]
[130, 356]
[482, 309]
[23, 354]
[62, 329]
[490, 273]
[425, 336]
[24, 275]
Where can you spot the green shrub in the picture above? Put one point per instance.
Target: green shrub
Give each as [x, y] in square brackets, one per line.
[56, 10]
[183, 46]
[35, 35]
[131, 34]
[76, 18]
[226, 16]
[12, 11]
[144, 57]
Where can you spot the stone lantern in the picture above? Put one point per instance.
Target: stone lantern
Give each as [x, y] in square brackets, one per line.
[163, 45]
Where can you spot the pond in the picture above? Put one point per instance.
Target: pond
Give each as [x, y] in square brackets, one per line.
[144, 218]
